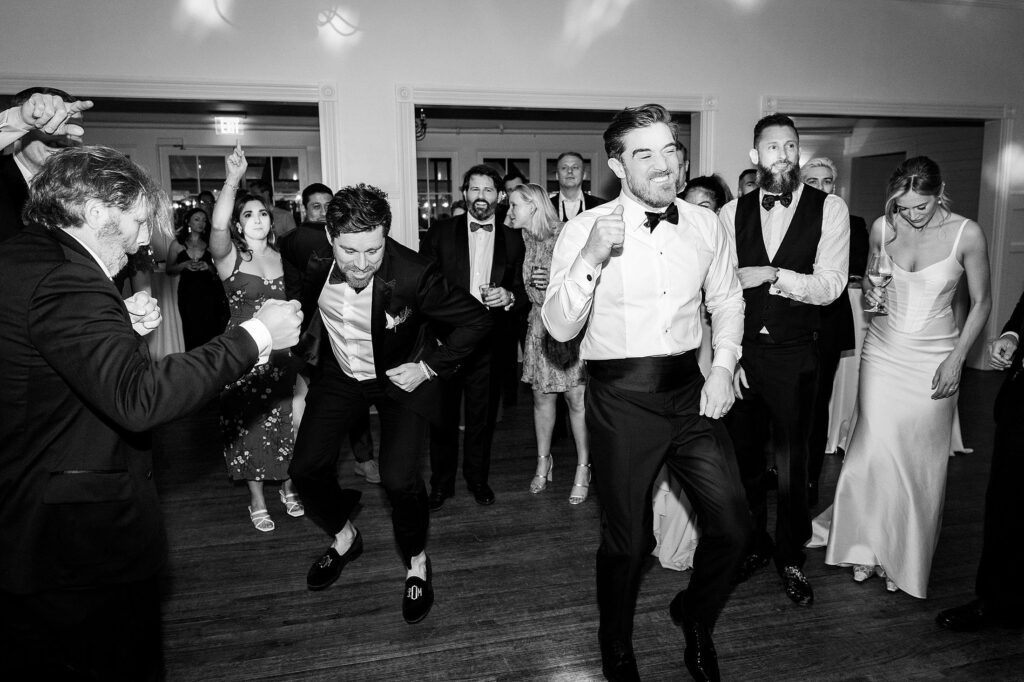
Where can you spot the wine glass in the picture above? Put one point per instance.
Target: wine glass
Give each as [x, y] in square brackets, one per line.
[879, 274]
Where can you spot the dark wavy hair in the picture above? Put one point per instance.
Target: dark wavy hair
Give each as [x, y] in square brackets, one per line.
[482, 169]
[358, 208]
[315, 188]
[182, 233]
[74, 175]
[712, 184]
[236, 232]
[773, 120]
[628, 120]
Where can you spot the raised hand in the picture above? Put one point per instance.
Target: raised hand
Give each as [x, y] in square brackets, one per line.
[608, 233]
[52, 115]
[235, 165]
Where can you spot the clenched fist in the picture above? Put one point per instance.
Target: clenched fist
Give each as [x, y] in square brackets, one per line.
[608, 233]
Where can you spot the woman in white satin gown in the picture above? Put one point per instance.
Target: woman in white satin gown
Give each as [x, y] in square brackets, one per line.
[887, 512]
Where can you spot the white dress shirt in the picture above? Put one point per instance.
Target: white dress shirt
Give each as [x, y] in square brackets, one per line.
[481, 254]
[347, 316]
[645, 301]
[831, 261]
[568, 208]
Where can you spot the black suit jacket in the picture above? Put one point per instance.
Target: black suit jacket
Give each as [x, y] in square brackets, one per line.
[78, 392]
[837, 331]
[410, 290]
[1010, 399]
[589, 202]
[13, 195]
[307, 253]
[447, 243]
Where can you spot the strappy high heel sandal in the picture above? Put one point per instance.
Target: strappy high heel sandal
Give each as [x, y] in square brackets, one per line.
[261, 520]
[580, 485]
[540, 480]
[291, 503]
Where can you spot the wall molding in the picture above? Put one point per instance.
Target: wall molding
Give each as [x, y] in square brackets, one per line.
[408, 97]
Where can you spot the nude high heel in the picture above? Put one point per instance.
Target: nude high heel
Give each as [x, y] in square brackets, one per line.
[543, 476]
[580, 485]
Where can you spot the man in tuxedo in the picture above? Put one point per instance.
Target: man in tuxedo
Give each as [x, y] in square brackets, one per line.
[747, 182]
[999, 592]
[303, 247]
[40, 121]
[792, 246]
[643, 262]
[478, 253]
[836, 334]
[369, 346]
[80, 523]
[570, 200]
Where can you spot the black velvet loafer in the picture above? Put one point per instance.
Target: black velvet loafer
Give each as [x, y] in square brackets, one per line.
[327, 568]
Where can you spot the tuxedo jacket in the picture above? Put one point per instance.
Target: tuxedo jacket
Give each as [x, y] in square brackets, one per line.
[589, 202]
[13, 195]
[307, 256]
[1010, 400]
[409, 293]
[78, 394]
[447, 244]
[837, 324]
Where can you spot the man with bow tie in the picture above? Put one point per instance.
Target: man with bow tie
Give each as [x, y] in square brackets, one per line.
[476, 252]
[631, 273]
[368, 345]
[792, 254]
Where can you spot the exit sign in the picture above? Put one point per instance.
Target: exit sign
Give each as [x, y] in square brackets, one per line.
[227, 125]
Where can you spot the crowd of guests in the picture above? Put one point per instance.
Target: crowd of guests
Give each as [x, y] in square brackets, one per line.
[608, 303]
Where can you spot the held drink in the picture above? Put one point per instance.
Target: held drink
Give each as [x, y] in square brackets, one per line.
[880, 280]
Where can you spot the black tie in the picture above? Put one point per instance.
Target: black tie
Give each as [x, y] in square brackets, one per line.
[473, 227]
[671, 214]
[768, 200]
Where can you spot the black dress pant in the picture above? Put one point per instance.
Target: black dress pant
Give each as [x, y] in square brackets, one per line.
[782, 380]
[828, 362]
[632, 434]
[999, 581]
[477, 388]
[94, 634]
[334, 402]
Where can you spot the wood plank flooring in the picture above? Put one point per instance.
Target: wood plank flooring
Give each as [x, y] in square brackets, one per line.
[515, 585]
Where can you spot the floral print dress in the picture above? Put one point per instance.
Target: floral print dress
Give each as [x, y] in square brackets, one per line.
[256, 410]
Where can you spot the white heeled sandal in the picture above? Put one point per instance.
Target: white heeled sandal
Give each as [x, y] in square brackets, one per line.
[540, 480]
[580, 485]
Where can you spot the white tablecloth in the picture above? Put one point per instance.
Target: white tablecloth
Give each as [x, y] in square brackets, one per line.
[167, 338]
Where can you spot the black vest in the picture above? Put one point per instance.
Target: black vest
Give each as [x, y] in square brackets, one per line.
[785, 319]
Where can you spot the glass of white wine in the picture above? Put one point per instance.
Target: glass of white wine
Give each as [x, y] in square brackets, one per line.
[879, 274]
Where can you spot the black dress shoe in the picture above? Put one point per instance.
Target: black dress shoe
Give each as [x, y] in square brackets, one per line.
[797, 587]
[437, 498]
[700, 656]
[482, 493]
[976, 615]
[812, 493]
[327, 568]
[418, 598]
[750, 565]
[618, 662]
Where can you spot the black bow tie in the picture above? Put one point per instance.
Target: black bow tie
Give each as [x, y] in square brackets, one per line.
[473, 227]
[671, 214]
[768, 200]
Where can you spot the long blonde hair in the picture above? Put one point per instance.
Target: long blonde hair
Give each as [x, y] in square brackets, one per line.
[544, 221]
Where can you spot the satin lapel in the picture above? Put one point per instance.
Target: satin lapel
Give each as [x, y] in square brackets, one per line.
[498, 257]
[382, 291]
[460, 241]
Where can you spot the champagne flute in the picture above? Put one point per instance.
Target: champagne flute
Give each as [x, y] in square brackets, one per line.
[879, 274]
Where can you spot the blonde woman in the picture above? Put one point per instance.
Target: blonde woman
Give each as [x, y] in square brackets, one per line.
[549, 366]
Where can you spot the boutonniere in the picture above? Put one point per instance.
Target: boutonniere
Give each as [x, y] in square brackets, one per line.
[395, 320]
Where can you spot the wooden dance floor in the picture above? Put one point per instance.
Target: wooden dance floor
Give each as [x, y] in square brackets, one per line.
[515, 585]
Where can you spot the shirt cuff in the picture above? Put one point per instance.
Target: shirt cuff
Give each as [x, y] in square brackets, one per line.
[10, 120]
[261, 335]
[726, 359]
[1015, 335]
[583, 274]
[786, 281]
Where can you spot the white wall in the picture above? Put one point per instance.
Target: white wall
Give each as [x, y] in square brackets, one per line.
[731, 52]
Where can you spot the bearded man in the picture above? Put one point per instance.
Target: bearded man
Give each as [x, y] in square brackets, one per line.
[792, 252]
[368, 344]
[631, 272]
[478, 253]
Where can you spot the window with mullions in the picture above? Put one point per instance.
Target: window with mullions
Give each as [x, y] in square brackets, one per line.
[195, 173]
[434, 192]
[506, 165]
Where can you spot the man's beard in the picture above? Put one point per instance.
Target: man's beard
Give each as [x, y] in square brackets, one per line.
[653, 195]
[356, 278]
[113, 247]
[787, 180]
[478, 211]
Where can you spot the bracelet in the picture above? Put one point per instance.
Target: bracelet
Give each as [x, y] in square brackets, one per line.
[228, 184]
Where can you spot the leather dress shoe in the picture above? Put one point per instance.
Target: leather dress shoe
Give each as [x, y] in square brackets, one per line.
[700, 656]
[796, 585]
[437, 498]
[977, 615]
[418, 597]
[327, 568]
[618, 662]
[482, 493]
[750, 565]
